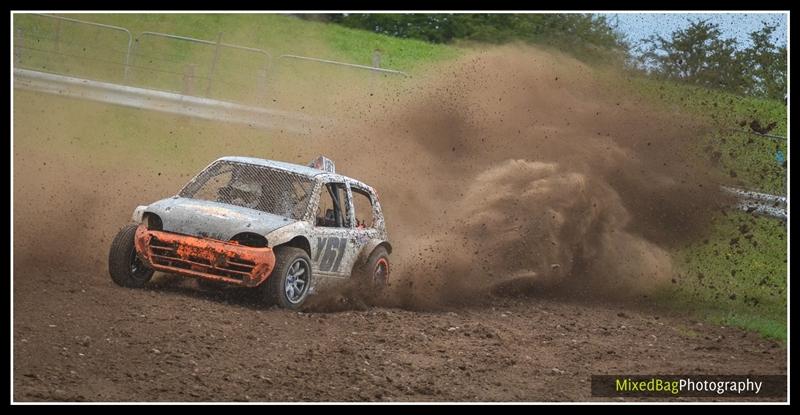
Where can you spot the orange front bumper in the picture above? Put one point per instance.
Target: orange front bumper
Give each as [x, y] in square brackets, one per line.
[205, 258]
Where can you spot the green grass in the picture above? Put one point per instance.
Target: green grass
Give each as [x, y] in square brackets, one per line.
[743, 284]
[748, 159]
[86, 51]
[737, 275]
[242, 76]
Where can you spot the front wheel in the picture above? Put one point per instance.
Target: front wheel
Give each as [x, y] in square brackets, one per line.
[290, 281]
[124, 265]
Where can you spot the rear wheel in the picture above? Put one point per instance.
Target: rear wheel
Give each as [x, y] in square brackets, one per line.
[374, 274]
[124, 266]
[290, 281]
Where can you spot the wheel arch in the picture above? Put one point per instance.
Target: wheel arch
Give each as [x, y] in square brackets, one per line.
[152, 221]
[370, 247]
[299, 241]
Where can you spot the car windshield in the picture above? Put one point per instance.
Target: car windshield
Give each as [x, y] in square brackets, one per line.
[270, 190]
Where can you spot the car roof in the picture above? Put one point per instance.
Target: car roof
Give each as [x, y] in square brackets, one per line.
[293, 168]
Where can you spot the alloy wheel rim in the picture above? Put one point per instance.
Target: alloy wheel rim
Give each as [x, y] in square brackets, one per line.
[297, 281]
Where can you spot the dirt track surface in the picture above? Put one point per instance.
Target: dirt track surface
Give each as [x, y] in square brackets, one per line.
[78, 337]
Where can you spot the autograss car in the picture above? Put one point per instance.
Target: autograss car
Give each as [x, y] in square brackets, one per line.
[284, 229]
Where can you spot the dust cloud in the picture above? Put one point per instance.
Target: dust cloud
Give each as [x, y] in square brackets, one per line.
[515, 164]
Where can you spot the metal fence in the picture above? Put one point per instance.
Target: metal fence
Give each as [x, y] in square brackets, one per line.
[200, 67]
[48, 43]
[162, 61]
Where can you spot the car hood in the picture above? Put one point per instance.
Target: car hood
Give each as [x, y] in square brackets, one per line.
[213, 220]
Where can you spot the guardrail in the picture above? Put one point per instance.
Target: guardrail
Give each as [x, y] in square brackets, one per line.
[760, 203]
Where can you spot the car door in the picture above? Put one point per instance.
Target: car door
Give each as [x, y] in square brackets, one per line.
[365, 217]
[332, 249]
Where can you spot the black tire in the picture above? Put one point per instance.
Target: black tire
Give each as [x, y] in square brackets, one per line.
[375, 271]
[275, 289]
[125, 267]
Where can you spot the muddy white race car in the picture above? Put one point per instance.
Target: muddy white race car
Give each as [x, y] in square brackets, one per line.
[284, 229]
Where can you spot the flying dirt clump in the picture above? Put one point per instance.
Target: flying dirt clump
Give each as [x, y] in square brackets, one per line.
[519, 163]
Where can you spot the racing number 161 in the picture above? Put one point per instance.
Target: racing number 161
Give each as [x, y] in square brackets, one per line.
[334, 252]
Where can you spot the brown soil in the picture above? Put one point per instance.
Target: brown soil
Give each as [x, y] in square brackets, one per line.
[78, 337]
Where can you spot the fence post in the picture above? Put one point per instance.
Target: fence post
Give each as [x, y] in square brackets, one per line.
[127, 67]
[18, 50]
[189, 79]
[262, 84]
[376, 58]
[213, 64]
[375, 76]
[58, 36]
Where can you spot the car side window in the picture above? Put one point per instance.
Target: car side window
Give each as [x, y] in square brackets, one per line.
[333, 206]
[362, 203]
